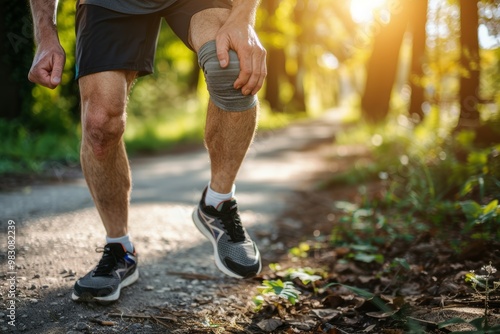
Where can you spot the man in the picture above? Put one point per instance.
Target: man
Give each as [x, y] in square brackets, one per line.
[116, 41]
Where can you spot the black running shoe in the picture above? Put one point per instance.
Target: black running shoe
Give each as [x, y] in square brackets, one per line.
[235, 253]
[116, 270]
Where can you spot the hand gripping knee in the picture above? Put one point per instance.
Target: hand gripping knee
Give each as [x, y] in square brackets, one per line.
[220, 80]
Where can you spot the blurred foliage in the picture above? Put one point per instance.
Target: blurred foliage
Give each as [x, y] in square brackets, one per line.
[317, 49]
[430, 181]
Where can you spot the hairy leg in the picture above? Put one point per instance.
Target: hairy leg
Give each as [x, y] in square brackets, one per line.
[228, 135]
[103, 157]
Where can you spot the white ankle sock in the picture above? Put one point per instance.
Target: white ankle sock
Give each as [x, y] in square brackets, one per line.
[213, 198]
[125, 241]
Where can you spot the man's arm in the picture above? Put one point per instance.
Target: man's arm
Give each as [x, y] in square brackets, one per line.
[238, 34]
[49, 59]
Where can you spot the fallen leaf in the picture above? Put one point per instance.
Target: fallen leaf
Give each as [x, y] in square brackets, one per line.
[326, 314]
[369, 328]
[269, 325]
[382, 315]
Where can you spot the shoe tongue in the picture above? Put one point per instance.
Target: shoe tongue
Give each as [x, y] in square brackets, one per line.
[226, 206]
[115, 248]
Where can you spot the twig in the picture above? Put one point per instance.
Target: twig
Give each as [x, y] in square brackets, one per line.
[140, 316]
[160, 322]
[192, 276]
[102, 322]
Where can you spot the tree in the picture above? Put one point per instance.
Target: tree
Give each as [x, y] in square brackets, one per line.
[16, 53]
[276, 57]
[418, 22]
[470, 62]
[383, 64]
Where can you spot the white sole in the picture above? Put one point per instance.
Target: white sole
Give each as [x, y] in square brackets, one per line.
[112, 297]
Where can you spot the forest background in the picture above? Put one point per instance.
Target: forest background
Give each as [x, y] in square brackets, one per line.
[419, 79]
[405, 57]
[417, 83]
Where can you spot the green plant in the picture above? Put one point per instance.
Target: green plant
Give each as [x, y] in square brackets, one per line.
[300, 251]
[483, 287]
[275, 289]
[480, 214]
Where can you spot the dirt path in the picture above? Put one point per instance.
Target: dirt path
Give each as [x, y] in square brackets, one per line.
[180, 290]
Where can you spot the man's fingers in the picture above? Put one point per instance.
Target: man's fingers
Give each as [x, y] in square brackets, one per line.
[246, 70]
[48, 66]
[40, 76]
[57, 69]
[262, 77]
[222, 47]
[252, 80]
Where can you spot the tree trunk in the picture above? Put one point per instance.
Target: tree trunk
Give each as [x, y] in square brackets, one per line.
[418, 21]
[276, 60]
[470, 62]
[383, 65]
[16, 50]
[275, 70]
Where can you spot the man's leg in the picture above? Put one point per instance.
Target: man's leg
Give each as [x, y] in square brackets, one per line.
[106, 170]
[228, 135]
[103, 157]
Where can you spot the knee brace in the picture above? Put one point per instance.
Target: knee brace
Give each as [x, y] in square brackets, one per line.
[220, 80]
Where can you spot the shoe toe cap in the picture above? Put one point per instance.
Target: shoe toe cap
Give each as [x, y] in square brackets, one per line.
[244, 271]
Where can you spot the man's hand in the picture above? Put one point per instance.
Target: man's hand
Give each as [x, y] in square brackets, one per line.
[48, 65]
[240, 36]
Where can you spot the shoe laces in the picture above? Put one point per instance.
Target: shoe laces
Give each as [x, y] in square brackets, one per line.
[107, 262]
[232, 224]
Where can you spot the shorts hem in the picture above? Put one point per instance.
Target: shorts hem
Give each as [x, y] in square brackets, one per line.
[140, 70]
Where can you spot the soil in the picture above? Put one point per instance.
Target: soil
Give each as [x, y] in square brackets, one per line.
[180, 291]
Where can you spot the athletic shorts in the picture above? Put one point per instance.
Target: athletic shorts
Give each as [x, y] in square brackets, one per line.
[107, 40]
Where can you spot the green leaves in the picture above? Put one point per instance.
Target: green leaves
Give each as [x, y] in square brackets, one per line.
[480, 214]
[278, 288]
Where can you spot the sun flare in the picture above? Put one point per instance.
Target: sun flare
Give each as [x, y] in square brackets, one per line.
[362, 10]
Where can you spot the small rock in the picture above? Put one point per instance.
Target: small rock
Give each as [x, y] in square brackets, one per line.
[45, 286]
[60, 295]
[81, 326]
[32, 287]
[36, 276]
[149, 288]
[136, 327]
[33, 300]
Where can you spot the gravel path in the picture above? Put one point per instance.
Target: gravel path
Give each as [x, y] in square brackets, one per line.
[57, 230]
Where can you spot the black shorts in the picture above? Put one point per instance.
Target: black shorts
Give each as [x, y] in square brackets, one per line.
[108, 40]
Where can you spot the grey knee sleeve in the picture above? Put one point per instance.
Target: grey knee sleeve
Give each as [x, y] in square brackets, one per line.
[220, 80]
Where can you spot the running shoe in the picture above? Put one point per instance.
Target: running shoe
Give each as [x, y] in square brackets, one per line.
[116, 270]
[235, 253]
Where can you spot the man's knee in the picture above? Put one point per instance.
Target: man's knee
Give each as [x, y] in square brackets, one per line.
[220, 81]
[103, 100]
[103, 125]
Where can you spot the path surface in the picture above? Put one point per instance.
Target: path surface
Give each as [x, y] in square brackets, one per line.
[57, 230]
